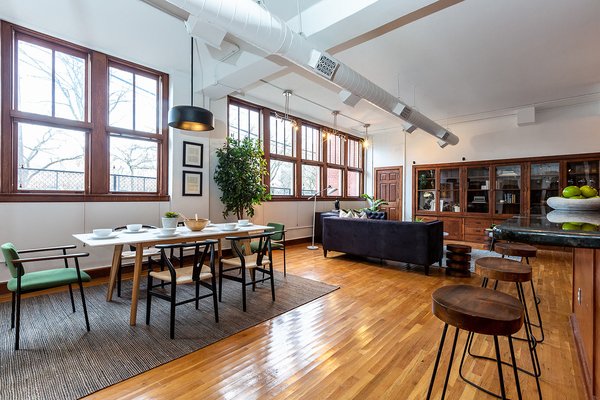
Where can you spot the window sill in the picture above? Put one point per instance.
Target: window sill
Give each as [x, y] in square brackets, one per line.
[73, 198]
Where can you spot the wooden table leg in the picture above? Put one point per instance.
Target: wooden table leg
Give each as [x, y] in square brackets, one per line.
[113, 271]
[137, 272]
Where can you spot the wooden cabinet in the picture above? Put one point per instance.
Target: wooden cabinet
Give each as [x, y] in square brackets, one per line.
[472, 195]
[586, 303]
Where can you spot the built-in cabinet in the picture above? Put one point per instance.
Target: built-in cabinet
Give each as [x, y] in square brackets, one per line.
[471, 196]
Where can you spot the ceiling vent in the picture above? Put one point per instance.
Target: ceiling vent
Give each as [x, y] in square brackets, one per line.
[326, 66]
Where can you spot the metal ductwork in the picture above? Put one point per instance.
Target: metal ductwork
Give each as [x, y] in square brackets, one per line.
[255, 25]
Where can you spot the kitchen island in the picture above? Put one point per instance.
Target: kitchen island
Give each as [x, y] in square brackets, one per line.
[579, 231]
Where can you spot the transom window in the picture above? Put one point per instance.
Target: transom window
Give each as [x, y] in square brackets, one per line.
[282, 137]
[335, 148]
[244, 122]
[48, 141]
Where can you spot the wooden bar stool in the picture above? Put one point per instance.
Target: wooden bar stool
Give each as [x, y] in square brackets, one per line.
[477, 310]
[525, 251]
[508, 271]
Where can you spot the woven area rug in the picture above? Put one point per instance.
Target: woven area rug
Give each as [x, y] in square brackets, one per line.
[58, 359]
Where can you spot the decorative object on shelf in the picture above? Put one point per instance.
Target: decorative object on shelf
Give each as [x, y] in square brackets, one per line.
[169, 220]
[192, 183]
[193, 154]
[330, 190]
[336, 205]
[239, 175]
[191, 118]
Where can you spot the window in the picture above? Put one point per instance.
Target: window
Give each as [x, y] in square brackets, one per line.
[132, 106]
[50, 146]
[302, 158]
[243, 121]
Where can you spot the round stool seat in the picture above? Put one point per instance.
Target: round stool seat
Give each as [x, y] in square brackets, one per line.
[502, 269]
[458, 248]
[477, 309]
[515, 249]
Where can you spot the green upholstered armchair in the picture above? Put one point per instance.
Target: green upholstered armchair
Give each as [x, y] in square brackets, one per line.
[277, 241]
[27, 282]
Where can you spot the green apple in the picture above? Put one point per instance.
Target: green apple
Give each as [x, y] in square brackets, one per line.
[577, 197]
[569, 226]
[571, 191]
[589, 227]
[588, 191]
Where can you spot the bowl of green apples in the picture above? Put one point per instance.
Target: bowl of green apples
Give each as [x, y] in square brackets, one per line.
[584, 198]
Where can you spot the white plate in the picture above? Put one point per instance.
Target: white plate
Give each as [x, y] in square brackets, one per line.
[243, 226]
[140, 231]
[168, 235]
[110, 236]
[561, 203]
[230, 230]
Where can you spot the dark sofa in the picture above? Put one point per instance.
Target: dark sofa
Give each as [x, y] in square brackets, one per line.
[418, 243]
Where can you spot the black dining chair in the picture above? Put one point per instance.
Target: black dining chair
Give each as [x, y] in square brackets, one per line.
[198, 274]
[260, 261]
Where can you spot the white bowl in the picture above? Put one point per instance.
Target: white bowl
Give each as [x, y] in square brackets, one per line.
[230, 226]
[102, 232]
[167, 231]
[243, 222]
[561, 203]
[580, 217]
[134, 227]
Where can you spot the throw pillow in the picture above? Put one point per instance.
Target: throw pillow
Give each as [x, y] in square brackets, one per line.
[346, 214]
[363, 215]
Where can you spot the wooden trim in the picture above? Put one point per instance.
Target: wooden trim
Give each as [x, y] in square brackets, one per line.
[163, 149]
[47, 120]
[533, 159]
[583, 364]
[98, 152]
[6, 149]
[133, 134]
[60, 197]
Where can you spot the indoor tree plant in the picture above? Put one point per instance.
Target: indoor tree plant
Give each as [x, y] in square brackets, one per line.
[239, 176]
[374, 204]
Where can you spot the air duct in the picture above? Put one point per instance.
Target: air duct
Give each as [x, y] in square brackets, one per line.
[255, 25]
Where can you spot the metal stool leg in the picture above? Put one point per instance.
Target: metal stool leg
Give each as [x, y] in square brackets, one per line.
[515, 368]
[437, 361]
[499, 362]
[450, 363]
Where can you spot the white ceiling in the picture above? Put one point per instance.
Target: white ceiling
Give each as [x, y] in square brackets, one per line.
[472, 57]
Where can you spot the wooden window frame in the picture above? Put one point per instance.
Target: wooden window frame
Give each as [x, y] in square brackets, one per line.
[298, 161]
[95, 124]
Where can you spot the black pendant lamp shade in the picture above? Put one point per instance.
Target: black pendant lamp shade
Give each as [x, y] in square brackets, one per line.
[191, 118]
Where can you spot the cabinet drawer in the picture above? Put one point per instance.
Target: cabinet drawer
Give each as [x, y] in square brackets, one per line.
[473, 222]
[475, 238]
[475, 230]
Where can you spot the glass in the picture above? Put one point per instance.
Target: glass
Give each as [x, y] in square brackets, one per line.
[34, 83]
[311, 143]
[334, 149]
[69, 86]
[120, 99]
[544, 183]
[311, 179]
[50, 158]
[133, 165]
[478, 186]
[282, 178]
[353, 189]
[354, 153]
[508, 189]
[146, 104]
[450, 190]
[582, 173]
[282, 137]
[426, 194]
[335, 180]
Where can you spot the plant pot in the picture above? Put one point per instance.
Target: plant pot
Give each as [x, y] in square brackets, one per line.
[169, 222]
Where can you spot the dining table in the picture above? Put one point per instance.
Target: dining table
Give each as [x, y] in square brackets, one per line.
[150, 237]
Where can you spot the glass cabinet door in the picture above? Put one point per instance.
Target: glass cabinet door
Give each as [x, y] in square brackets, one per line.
[581, 173]
[449, 190]
[478, 189]
[426, 198]
[544, 183]
[508, 189]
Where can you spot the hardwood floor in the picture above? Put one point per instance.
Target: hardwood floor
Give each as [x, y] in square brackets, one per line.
[374, 338]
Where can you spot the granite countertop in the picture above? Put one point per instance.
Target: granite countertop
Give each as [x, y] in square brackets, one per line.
[557, 228]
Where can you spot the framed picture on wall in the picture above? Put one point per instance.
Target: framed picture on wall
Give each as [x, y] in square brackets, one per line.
[192, 154]
[192, 183]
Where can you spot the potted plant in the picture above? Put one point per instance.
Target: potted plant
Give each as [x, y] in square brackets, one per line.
[374, 204]
[170, 219]
[239, 175]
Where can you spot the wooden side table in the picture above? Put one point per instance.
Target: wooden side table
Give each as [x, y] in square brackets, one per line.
[458, 260]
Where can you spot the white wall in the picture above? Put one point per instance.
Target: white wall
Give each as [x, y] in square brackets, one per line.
[563, 130]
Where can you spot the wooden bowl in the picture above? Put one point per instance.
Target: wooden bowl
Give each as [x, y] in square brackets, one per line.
[195, 224]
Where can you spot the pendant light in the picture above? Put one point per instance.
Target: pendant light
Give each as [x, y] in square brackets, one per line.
[190, 118]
